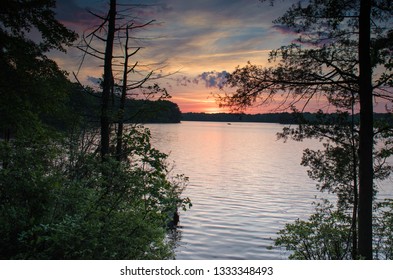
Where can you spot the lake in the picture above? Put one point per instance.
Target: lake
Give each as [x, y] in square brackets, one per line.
[244, 185]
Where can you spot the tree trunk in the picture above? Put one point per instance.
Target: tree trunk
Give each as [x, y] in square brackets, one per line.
[119, 146]
[108, 81]
[355, 184]
[365, 134]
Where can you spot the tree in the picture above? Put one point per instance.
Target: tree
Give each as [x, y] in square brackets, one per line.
[335, 168]
[117, 26]
[126, 87]
[29, 80]
[54, 204]
[339, 56]
[324, 236]
[366, 132]
[108, 82]
[58, 198]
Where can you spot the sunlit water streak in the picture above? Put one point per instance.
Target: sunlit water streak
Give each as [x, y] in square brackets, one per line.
[244, 185]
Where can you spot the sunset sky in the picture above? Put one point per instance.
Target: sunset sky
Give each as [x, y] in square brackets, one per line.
[199, 41]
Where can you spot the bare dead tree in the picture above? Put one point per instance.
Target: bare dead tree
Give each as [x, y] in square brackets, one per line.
[105, 43]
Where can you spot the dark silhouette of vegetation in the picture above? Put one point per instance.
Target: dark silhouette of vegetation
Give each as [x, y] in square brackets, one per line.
[87, 104]
[58, 198]
[284, 118]
[330, 233]
[111, 42]
[29, 80]
[108, 80]
[339, 56]
[281, 118]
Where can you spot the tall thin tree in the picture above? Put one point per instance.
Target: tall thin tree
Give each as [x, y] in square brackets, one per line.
[108, 82]
[366, 133]
[331, 57]
[116, 25]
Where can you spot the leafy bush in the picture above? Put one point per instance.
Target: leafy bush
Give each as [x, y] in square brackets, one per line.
[331, 232]
[324, 236]
[327, 234]
[383, 230]
[59, 200]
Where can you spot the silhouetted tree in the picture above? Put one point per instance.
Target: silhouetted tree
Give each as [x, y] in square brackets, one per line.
[58, 198]
[31, 84]
[117, 26]
[108, 82]
[337, 55]
[335, 168]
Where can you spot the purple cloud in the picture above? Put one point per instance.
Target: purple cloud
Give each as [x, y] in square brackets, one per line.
[212, 79]
[94, 80]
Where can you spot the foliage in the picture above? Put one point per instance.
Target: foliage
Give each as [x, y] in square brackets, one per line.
[342, 53]
[21, 17]
[383, 230]
[332, 167]
[146, 111]
[29, 80]
[335, 168]
[86, 103]
[60, 201]
[340, 136]
[58, 198]
[104, 42]
[33, 92]
[324, 236]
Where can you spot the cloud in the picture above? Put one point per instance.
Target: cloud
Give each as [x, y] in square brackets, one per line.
[198, 36]
[200, 40]
[191, 34]
[95, 81]
[212, 79]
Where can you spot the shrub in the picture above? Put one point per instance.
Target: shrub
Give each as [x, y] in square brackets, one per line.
[59, 200]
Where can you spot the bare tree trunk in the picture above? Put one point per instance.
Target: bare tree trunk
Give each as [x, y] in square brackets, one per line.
[365, 134]
[119, 146]
[108, 81]
[354, 228]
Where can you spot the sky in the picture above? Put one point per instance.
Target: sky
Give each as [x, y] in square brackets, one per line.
[190, 45]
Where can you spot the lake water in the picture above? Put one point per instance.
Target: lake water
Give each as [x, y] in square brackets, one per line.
[244, 185]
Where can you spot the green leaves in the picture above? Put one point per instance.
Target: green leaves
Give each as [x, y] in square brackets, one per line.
[332, 57]
[330, 233]
[60, 201]
[324, 236]
[21, 17]
[383, 229]
[29, 81]
[327, 233]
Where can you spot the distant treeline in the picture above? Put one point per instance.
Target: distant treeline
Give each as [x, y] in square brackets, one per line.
[281, 118]
[147, 111]
[87, 103]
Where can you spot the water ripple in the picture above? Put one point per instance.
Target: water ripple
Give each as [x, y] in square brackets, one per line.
[244, 186]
